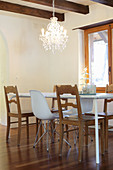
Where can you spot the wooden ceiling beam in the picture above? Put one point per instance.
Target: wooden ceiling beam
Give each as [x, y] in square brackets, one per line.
[20, 9]
[105, 2]
[64, 5]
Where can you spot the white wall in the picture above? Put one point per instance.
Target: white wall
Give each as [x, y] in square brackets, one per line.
[29, 66]
[3, 75]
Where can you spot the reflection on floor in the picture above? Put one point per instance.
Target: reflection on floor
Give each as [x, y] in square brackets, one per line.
[26, 157]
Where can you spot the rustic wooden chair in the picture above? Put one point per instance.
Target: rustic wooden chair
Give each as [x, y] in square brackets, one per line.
[19, 115]
[80, 120]
[106, 114]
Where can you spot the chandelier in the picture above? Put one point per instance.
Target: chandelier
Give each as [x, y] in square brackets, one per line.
[55, 38]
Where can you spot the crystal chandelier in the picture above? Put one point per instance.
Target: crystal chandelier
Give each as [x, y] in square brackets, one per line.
[55, 37]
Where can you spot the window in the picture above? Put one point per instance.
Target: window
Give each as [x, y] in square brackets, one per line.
[98, 55]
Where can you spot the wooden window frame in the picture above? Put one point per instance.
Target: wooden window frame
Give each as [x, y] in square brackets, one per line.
[109, 28]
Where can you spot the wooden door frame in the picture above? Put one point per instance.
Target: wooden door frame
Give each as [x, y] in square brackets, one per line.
[97, 29]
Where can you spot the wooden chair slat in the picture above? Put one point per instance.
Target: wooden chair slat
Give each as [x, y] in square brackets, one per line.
[12, 101]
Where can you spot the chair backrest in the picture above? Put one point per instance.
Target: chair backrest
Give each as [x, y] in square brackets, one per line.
[86, 105]
[39, 104]
[13, 91]
[68, 89]
[54, 99]
[109, 89]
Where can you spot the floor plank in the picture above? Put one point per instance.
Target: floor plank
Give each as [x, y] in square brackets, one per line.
[26, 157]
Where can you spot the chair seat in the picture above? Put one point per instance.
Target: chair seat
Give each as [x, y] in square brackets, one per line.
[87, 120]
[102, 114]
[66, 113]
[56, 115]
[22, 111]
[23, 114]
[70, 112]
[27, 114]
[84, 118]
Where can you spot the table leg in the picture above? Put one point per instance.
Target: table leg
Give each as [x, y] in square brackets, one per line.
[96, 131]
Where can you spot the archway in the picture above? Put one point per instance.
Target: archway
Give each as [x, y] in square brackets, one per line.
[4, 76]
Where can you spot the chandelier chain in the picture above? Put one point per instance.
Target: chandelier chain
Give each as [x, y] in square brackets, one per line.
[53, 8]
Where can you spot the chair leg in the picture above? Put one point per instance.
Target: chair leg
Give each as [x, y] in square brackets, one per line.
[27, 121]
[45, 131]
[102, 136]
[106, 133]
[86, 134]
[52, 131]
[8, 128]
[53, 124]
[67, 133]
[37, 120]
[36, 139]
[40, 129]
[19, 131]
[74, 136]
[80, 140]
[61, 139]
[47, 136]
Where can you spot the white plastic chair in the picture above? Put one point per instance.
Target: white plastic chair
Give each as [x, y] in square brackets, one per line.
[41, 110]
[86, 105]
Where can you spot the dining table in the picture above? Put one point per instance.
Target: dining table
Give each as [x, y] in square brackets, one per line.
[95, 98]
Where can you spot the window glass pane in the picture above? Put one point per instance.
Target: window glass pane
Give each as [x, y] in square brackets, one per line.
[98, 58]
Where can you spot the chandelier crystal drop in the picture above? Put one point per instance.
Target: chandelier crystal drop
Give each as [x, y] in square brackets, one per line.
[55, 38]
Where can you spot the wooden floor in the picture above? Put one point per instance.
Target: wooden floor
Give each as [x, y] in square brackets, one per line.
[26, 157]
